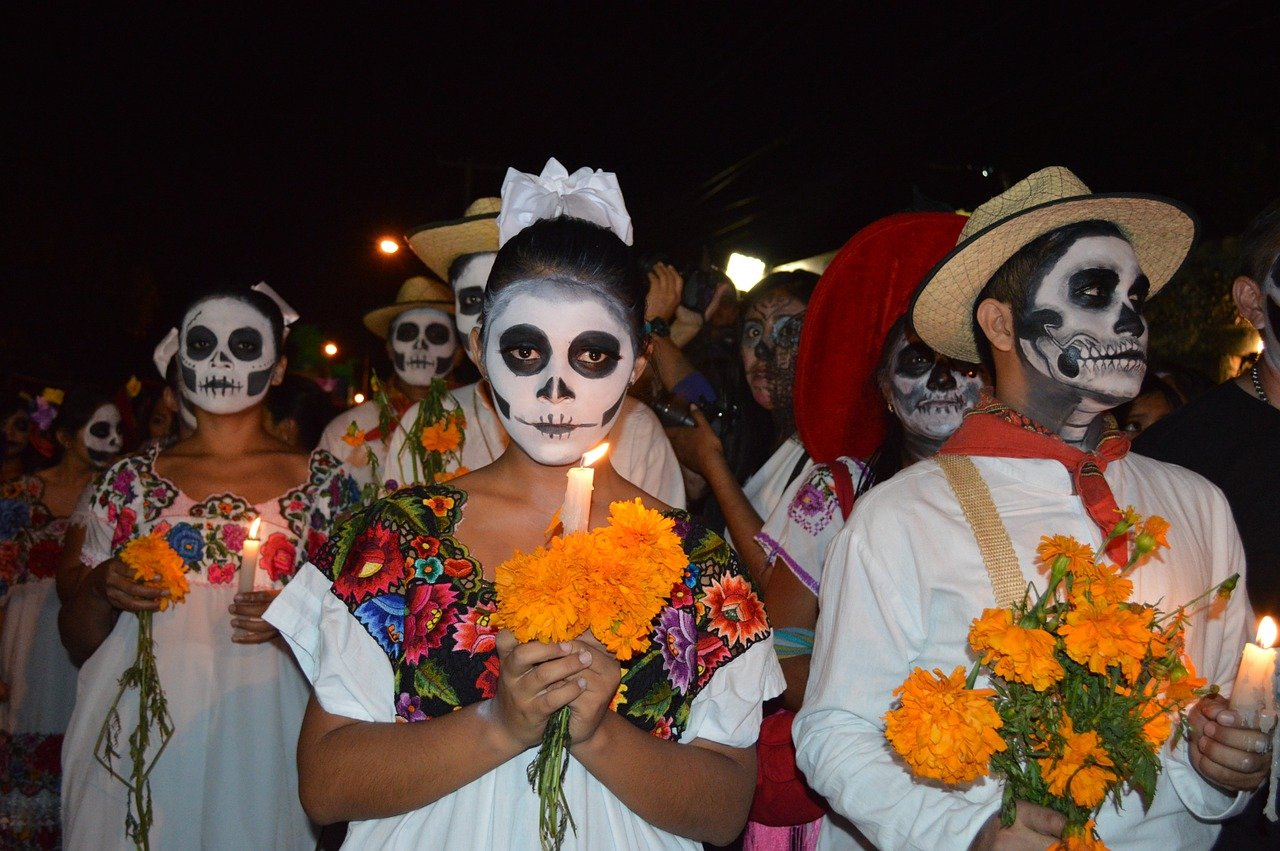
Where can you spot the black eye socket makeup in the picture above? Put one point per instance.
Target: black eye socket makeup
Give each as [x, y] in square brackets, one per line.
[406, 332]
[595, 354]
[437, 334]
[525, 349]
[200, 342]
[245, 344]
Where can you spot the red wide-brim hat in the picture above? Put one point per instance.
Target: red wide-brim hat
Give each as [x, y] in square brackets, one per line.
[867, 286]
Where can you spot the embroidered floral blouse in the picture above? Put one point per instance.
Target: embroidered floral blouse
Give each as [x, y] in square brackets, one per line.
[30, 535]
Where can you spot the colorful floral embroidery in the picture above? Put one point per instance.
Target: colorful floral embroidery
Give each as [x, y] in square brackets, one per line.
[30, 535]
[815, 503]
[415, 588]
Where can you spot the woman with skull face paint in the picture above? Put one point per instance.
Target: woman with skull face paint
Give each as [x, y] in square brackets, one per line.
[560, 340]
[226, 778]
[37, 678]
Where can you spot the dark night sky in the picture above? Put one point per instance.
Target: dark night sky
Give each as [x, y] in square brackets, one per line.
[152, 154]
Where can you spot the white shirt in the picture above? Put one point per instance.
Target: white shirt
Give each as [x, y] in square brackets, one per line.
[638, 447]
[902, 583]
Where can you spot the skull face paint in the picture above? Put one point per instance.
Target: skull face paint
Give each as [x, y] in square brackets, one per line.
[1083, 329]
[227, 353]
[1270, 329]
[930, 392]
[559, 362]
[770, 341]
[468, 279]
[422, 344]
[102, 436]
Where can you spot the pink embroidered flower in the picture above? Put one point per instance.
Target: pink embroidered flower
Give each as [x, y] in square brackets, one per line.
[221, 573]
[162, 528]
[662, 728]
[122, 480]
[315, 540]
[233, 535]
[428, 615]
[487, 682]
[123, 519]
[277, 557]
[373, 566]
[473, 633]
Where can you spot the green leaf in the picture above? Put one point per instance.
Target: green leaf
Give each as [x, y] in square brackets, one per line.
[655, 704]
[431, 682]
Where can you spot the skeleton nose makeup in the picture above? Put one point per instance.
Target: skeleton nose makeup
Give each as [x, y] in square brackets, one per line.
[1083, 328]
[227, 353]
[422, 345]
[559, 362]
[468, 284]
[103, 436]
[931, 394]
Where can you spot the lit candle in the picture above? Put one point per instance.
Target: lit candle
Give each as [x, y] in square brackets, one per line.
[249, 557]
[1255, 692]
[575, 514]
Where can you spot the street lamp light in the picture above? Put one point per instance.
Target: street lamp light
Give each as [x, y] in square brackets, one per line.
[330, 349]
[388, 245]
[744, 271]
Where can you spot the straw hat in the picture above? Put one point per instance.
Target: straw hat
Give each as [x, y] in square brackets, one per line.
[866, 287]
[418, 291]
[440, 243]
[1161, 231]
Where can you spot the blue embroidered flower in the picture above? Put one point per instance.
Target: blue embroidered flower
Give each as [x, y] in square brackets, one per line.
[15, 515]
[383, 617]
[187, 542]
[428, 569]
[692, 574]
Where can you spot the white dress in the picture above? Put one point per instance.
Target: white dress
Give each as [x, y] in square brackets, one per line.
[228, 777]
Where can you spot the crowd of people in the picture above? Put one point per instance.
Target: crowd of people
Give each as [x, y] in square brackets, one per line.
[805, 441]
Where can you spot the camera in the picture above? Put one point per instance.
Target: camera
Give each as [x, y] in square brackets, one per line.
[700, 287]
[673, 411]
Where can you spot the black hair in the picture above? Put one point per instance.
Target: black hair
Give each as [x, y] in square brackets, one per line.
[577, 253]
[300, 399]
[797, 283]
[259, 302]
[13, 401]
[1260, 244]
[78, 405]
[1013, 282]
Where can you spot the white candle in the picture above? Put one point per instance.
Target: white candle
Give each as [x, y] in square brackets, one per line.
[249, 557]
[1254, 692]
[575, 514]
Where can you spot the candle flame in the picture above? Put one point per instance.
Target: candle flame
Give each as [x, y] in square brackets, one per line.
[253, 527]
[1267, 632]
[595, 455]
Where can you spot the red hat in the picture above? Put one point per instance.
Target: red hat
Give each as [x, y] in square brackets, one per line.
[868, 285]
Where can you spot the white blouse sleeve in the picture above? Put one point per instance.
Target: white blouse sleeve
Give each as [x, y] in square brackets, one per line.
[728, 709]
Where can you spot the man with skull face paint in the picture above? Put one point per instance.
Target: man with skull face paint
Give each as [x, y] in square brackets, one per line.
[421, 343]
[37, 679]
[561, 339]
[1051, 279]
[235, 696]
[1229, 435]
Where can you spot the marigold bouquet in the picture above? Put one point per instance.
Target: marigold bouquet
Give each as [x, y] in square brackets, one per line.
[1085, 688]
[154, 563]
[612, 581]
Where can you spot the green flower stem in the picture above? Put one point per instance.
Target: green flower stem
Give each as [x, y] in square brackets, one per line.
[546, 776]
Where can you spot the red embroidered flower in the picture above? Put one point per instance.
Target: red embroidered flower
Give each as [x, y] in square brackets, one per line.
[373, 566]
[681, 596]
[473, 633]
[425, 546]
[662, 728]
[123, 519]
[458, 567]
[221, 574]
[42, 559]
[711, 653]
[487, 682]
[278, 556]
[8, 559]
[736, 611]
[315, 540]
[428, 615]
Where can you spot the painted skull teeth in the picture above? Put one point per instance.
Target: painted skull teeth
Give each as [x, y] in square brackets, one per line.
[556, 428]
[220, 386]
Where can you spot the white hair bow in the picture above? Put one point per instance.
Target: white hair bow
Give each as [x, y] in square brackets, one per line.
[288, 313]
[164, 352]
[588, 194]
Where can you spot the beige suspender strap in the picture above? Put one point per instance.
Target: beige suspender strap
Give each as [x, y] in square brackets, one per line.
[993, 540]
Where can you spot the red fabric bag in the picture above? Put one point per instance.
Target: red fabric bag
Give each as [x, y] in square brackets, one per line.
[782, 796]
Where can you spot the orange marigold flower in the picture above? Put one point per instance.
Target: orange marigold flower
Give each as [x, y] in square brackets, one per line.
[1100, 634]
[441, 436]
[1157, 728]
[1079, 838]
[450, 475]
[353, 436]
[1158, 528]
[1079, 556]
[1103, 583]
[157, 564]
[1084, 770]
[943, 730]
[1021, 655]
[1180, 689]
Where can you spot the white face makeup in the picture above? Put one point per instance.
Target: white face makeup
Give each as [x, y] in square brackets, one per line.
[1270, 329]
[227, 354]
[422, 344]
[469, 282]
[1083, 329]
[559, 363]
[930, 393]
[103, 436]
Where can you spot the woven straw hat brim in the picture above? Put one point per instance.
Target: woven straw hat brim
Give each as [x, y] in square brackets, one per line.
[440, 243]
[1161, 231]
[379, 319]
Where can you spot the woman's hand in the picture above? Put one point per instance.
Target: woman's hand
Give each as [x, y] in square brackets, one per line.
[697, 447]
[248, 627]
[535, 680]
[113, 581]
[601, 679]
[1223, 750]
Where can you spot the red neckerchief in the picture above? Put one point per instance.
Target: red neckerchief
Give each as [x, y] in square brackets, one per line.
[993, 429]
[399, 403]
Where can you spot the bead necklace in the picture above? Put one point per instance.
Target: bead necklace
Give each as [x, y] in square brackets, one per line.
[1257, 385]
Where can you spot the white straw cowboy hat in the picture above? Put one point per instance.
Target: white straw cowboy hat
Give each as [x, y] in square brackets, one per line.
[418, 291]
[1161, 231]
[440, 243]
